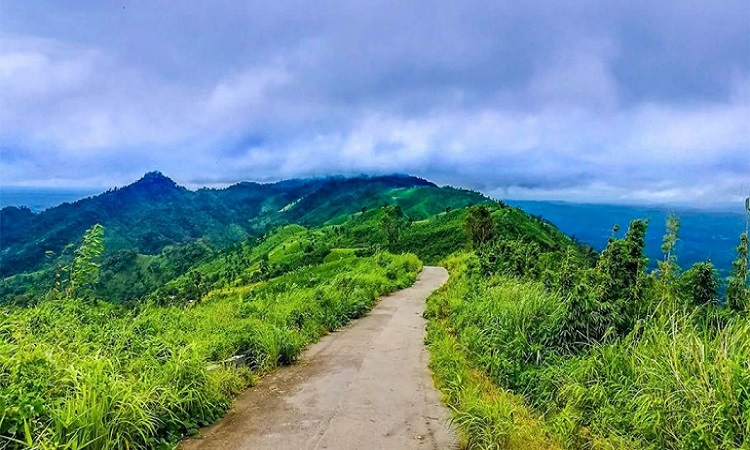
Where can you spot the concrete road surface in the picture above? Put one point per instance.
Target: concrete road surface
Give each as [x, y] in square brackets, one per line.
[364, 387]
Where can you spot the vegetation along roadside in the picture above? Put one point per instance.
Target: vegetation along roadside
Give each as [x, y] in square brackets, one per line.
[548, 348]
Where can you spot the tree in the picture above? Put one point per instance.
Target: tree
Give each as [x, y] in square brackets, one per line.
[393, 223]
[479, 225]
[198, 282]
[264, 268]
[514, 258]
[618, 275]
[567, 277]
[738, 294]
[668, 268]
[701, 283]
[85, 269]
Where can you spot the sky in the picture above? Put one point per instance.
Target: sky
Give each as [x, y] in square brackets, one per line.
[596, 101]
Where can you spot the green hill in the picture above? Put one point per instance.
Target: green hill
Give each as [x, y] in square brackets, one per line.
[157, 229]
[536, 341]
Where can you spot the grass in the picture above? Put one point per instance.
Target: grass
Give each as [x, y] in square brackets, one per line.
[672, 384]
[679, 380]
[487, 416]
[508, 335]
[96, 376]
[340, 253]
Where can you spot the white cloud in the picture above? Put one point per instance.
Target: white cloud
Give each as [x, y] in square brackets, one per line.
[578, 76]
[246, 96]
[531, 99]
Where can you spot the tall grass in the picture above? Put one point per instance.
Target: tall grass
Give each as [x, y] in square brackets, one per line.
[671, 384]
[80, 375]
[487, 415]
[679, 380]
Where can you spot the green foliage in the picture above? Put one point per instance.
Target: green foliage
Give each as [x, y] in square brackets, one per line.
[479, 225]
[436, 237]
[701, 284]
[152, 370]
[563, 267]
[738, 293]
[77, 374]
[535, 341]
[393, 222]
[84, 272]
[486, 415]
[157, 231]
[600, 354]
[285, 249]
[669, 385]
[676, 381]
[618, 282]
[668, 267]
[511, 257]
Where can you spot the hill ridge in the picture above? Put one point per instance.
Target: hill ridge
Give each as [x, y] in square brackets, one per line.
[155, 212]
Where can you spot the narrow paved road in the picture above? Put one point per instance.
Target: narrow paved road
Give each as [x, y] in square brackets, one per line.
[364, 387]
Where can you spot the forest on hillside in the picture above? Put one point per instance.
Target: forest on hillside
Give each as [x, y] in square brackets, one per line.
[158, 230]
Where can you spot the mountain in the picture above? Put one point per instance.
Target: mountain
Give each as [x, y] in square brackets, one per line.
[154, 213]
[529, 317]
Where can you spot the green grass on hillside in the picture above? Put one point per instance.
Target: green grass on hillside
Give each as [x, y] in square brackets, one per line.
[535, 341]
[76, 374]
[177, 228]
[679, 380]
[487, 415]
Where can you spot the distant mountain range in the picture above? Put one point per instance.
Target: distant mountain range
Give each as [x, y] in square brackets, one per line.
[155, 212]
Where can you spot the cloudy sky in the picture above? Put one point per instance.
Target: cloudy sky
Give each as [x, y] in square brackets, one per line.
[625, 101]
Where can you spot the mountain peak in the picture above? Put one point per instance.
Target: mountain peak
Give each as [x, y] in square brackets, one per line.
[157, 176]
[153, 184]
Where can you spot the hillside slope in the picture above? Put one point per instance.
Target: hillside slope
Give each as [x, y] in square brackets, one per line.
[156, 230]
[155, 212]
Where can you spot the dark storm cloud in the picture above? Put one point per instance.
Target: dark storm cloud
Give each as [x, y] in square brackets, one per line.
[592, 100]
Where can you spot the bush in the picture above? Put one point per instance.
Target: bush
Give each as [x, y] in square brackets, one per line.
[678, 380]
